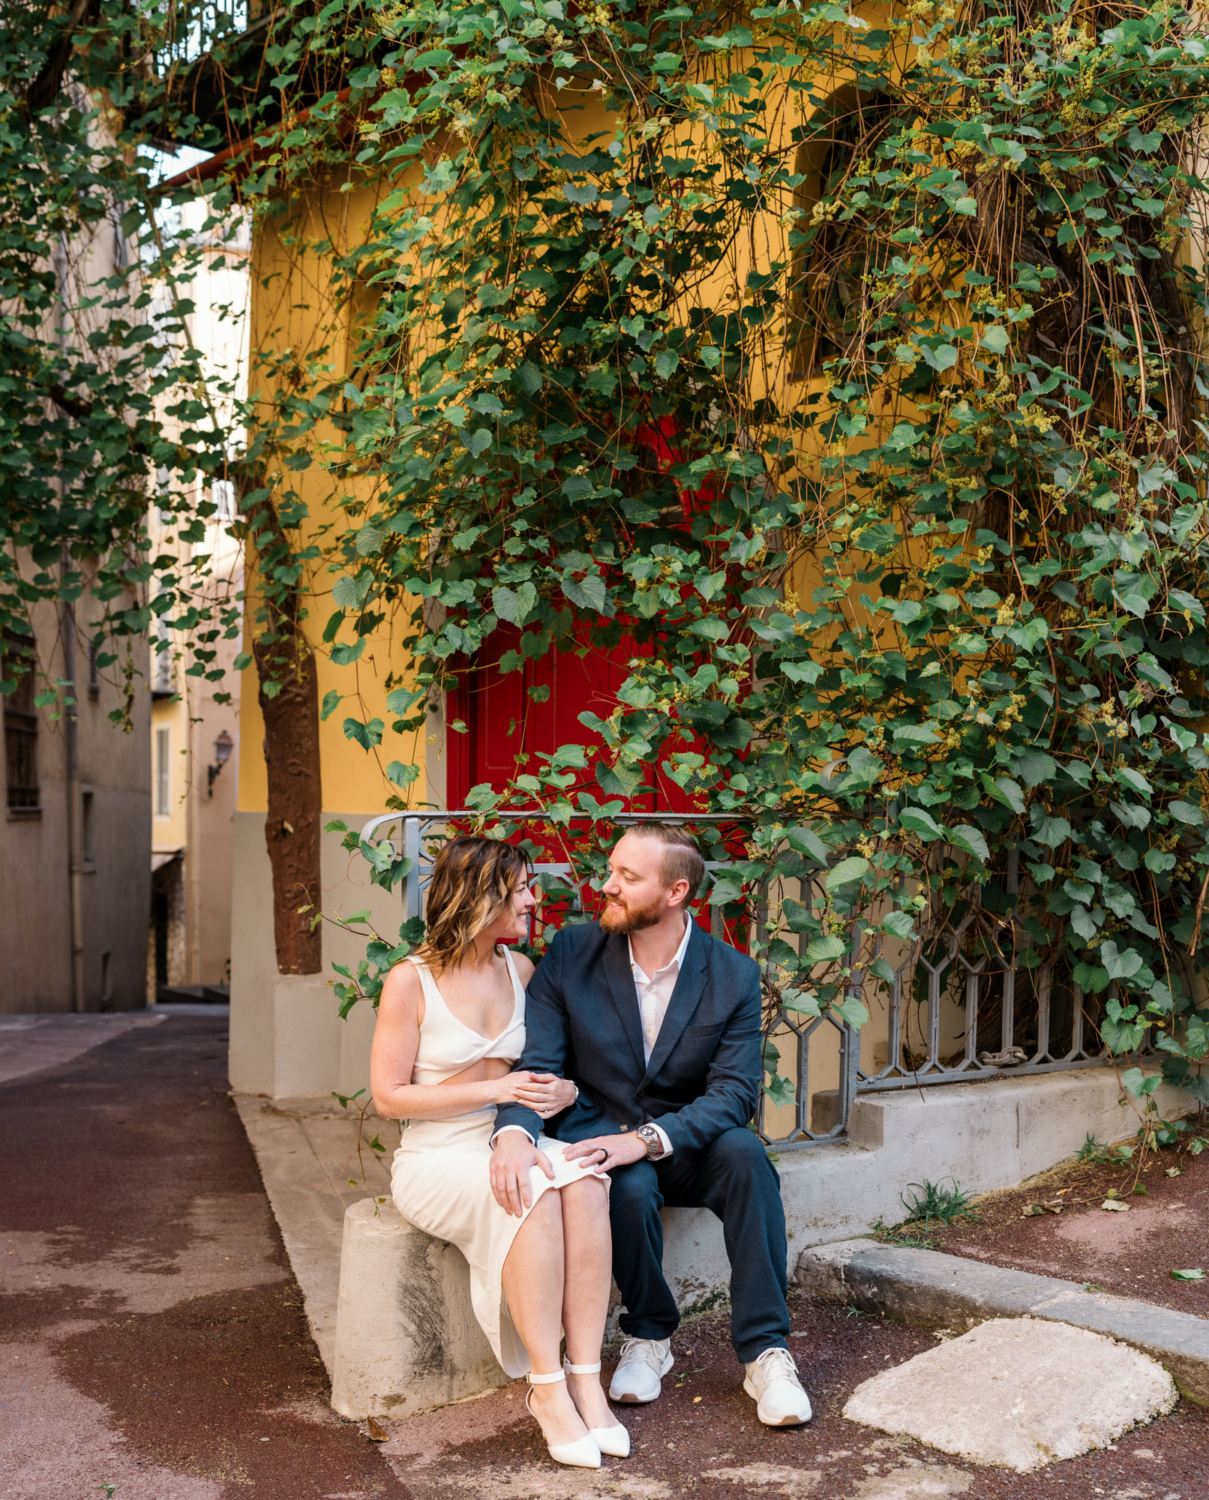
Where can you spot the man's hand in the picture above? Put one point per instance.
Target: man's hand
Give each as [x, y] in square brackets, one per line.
[607, 1151]
[514, 1154]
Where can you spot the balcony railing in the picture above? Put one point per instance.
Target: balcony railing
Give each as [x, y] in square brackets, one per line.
[192, 27]
[974, 1002]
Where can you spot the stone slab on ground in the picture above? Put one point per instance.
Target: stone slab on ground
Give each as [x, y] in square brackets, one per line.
[926, 1287]
[306, 1150]
[1018, 1393]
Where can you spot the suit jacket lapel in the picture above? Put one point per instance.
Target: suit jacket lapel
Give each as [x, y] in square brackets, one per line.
[689, 986]
[625, 995]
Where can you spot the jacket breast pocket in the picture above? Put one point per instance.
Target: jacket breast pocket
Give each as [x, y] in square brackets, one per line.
[697, 1045]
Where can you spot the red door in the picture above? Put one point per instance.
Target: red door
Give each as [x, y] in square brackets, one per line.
[511, 716]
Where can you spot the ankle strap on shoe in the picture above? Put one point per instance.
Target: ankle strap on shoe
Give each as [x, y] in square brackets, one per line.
[581, 1369]
[546, 1379]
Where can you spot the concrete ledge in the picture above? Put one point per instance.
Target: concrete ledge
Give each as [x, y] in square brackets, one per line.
[406, 1336]
[924, 1286]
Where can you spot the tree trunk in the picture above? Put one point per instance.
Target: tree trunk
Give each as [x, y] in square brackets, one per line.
[291, 752]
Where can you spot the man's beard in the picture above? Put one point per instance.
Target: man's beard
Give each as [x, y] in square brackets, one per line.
[621, 918]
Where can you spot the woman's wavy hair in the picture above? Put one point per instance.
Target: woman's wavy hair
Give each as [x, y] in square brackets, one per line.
[473, 880]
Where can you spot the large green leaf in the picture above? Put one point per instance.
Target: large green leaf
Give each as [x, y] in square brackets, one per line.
[825, 949]
[969, 840]
[915, 820]
[847, 871]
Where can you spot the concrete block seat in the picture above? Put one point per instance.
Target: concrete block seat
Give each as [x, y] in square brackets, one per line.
[406, 1336]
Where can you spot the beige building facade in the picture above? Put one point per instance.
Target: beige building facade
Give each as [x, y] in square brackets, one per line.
[193, 757]
[74, 879]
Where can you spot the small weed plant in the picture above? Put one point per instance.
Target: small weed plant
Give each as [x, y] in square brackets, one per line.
[929, 1203]
[1099, 1153]
[1091, 1149]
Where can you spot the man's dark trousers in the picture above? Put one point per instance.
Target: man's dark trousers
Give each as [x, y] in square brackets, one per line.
[735, 1179]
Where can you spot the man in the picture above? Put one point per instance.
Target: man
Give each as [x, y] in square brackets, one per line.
[658, 1026]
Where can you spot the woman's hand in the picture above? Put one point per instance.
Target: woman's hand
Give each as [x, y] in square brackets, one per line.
[543, 1092]
[548, 1094]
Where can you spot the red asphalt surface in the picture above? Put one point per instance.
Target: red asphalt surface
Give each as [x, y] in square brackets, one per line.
[153, 1344]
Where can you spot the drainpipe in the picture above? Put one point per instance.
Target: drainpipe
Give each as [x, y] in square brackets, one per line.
[192, 842]
[74, 851]
[67, 639]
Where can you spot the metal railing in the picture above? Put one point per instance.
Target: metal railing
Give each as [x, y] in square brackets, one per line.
[977, 981]
[415, 828]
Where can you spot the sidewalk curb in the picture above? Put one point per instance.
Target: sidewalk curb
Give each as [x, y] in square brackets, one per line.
[927, 1287]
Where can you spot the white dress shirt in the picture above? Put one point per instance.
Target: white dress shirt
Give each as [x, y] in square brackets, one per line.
[654, 995]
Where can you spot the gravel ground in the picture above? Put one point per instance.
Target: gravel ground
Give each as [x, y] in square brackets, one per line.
[153, 1345]
[1132, 1254]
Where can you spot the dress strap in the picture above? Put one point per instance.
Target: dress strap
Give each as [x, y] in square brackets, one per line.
[427, 981]
[518, 989]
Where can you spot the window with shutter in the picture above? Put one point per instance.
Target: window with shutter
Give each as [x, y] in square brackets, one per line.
[21, 724]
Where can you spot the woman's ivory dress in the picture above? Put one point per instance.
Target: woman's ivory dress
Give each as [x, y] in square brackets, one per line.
[440, 1177]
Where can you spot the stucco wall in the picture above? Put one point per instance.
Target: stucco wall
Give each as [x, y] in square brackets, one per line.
[287, 1039]
[35, 862]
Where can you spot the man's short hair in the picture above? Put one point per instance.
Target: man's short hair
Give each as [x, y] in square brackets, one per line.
[681, 858]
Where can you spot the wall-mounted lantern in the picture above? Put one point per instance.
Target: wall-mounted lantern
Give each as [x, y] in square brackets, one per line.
[223, 746]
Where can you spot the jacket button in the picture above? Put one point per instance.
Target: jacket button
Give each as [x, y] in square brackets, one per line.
[625, 1127]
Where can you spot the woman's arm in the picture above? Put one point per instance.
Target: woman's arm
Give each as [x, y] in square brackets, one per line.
[554, 1094]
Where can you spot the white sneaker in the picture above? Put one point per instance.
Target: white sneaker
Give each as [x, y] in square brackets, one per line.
[638, 1377]
[772, 1383]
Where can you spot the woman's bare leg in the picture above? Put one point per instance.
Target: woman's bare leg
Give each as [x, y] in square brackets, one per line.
[533, 1284]
[589, 1273]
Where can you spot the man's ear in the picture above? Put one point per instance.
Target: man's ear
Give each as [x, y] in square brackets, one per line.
[678, 894]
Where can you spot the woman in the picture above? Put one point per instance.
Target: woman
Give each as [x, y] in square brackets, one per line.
[451, 1022]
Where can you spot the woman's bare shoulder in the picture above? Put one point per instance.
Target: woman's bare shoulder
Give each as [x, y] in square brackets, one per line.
[402, 988]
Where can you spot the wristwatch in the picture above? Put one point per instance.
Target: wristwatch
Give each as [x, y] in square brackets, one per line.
[654, 1146]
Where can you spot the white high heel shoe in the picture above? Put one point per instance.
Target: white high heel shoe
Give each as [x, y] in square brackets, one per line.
[584, 1452]
[615, 1441]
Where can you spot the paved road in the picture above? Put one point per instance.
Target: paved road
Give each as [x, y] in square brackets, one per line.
[152, 1340]
[153, 1336]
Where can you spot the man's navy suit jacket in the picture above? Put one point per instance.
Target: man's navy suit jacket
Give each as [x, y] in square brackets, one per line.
[582, 1022]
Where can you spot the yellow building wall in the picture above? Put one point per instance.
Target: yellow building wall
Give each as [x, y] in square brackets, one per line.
[297, 311]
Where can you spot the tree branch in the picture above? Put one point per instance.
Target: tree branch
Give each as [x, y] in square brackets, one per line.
[44, 89]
